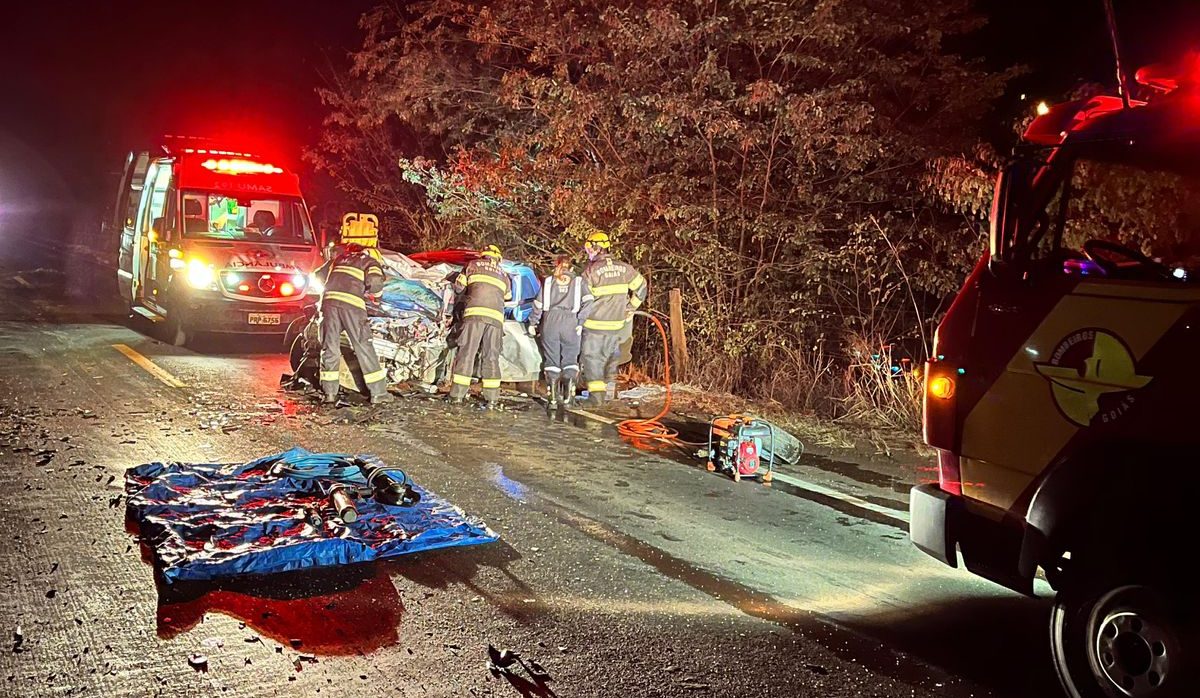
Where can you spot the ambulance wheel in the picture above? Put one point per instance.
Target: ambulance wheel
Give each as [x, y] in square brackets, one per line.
[173, 332]
[1121, 639]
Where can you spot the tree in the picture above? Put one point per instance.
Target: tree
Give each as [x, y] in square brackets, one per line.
[778, 161]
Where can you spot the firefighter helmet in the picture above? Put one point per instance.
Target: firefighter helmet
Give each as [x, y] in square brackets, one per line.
[491, 251]
[599, 240]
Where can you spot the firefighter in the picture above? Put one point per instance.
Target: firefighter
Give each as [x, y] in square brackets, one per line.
[558, 315]
[482, 333]
[615, 290]
[348, 278]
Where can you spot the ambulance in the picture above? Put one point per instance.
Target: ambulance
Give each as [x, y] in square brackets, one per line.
[211, 239]
[1062, 398]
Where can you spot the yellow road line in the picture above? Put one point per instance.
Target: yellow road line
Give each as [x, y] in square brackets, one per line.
[148, 366]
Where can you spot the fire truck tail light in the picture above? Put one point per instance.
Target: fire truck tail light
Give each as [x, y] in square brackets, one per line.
[949, 472]
[286, 289]
[236, 166]
[941, 387]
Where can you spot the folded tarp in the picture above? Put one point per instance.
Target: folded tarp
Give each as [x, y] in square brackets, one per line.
[210, 521]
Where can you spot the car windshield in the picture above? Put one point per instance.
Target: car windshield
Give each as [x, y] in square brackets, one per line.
[222, 217]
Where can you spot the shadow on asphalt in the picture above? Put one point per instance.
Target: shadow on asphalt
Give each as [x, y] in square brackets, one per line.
[337, 611]
[438, 569]
[1001, 642]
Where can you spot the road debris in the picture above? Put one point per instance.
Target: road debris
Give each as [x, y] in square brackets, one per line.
[198, 662]
[504, 662]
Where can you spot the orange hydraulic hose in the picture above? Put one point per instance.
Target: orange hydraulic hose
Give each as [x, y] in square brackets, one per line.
[653, 429]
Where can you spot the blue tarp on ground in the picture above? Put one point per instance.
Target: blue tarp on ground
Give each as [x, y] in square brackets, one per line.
[209, 521]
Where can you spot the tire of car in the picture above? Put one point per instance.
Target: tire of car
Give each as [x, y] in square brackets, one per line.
[1124, 634]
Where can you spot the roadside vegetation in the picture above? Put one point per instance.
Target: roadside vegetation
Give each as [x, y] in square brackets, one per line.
[811, 175]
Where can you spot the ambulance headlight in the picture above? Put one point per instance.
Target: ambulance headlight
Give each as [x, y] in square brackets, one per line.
[200, 275]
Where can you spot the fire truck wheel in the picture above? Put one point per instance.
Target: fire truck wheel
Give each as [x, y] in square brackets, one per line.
[1122, 640]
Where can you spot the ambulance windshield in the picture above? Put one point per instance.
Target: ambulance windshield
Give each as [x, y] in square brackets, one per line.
[221, 217]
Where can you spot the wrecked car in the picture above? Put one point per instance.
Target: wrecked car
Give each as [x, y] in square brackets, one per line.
[412, 323]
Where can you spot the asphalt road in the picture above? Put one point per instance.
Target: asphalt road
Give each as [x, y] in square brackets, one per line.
[622, 572]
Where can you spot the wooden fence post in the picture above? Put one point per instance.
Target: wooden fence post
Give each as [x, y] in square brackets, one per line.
[679, 352]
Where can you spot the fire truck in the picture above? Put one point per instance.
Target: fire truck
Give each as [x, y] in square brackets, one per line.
[1062, 395]
[211, 239]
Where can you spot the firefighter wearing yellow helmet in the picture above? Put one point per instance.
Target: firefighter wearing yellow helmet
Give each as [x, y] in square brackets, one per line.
[615, 289]
[481, 333]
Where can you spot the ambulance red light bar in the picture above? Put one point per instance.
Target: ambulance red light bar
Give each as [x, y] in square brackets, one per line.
[237, 166]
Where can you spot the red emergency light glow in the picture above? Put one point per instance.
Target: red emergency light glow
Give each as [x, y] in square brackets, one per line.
[206, 151]
[238, 166]
[286, 289]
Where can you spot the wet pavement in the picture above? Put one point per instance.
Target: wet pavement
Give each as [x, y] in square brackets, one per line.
[619, 570]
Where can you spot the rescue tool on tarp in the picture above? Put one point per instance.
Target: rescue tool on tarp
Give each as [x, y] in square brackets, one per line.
[289, 511]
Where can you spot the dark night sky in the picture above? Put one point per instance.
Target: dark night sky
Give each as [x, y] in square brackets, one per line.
[83, 81]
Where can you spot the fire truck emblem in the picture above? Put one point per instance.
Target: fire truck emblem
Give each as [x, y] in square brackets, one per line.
[1087, 366]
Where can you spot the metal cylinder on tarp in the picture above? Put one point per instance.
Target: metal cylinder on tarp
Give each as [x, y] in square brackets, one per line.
[343, 504]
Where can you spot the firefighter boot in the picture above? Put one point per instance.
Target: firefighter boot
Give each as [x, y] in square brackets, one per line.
[382, 398]
[328, 398]
[552, 388]
[568, 394]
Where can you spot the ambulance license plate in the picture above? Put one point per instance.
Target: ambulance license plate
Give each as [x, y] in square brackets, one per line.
[263, 318]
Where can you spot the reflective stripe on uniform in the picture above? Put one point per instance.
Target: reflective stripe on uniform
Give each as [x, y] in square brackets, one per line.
[347, 298]
[576, 287]
[596, 386]
[490, 383]
[572, 366]
[330, 376]
[591, 324]
[352, 271]
[460, 380]
[479, 311]
[635, 302]
[374, 376]
[486, 279]
[552, 369]
[638, 282]
[610, 290]
[375, 270]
